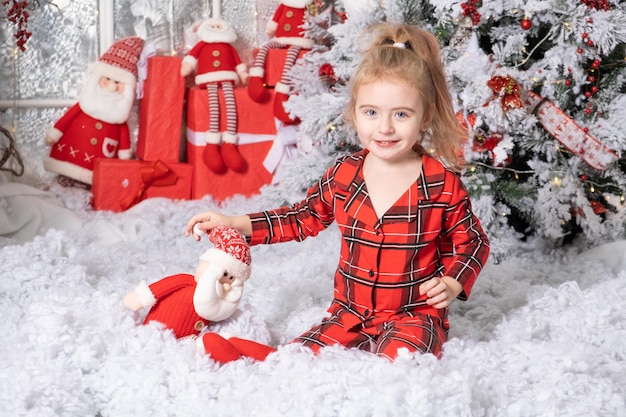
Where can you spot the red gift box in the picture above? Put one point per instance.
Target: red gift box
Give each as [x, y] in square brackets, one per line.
[253, 149]
[274, 64]
[161, 111]
[252, 117]
[119, 184]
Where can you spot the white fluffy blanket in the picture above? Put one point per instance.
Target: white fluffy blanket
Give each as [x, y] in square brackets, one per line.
[543, 335]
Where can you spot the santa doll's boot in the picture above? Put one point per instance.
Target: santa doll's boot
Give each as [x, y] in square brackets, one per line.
[218, 348]
[230, 153]
[256, 85]
[251, 349]
[225, 350]
[211, 154]
[280, 97]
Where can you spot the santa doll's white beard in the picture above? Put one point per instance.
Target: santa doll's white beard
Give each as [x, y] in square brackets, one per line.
[209, 300]
[103, 104]
[210, 35]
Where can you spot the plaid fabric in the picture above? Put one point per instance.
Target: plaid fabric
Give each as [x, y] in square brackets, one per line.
[430, 231]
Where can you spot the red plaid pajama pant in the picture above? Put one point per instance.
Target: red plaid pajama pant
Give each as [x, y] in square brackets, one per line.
[416, 332]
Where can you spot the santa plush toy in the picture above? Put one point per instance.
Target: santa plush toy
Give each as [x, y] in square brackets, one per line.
[285, 31]
[97, 126]
[186, 304]
[216, 64]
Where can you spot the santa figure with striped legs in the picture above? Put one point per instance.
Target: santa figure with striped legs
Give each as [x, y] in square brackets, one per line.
[285, 31]
[217, 64]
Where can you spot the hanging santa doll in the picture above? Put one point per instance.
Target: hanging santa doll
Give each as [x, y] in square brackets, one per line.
[186, 304]
[217, 64]
[96, 126]
[286, 31]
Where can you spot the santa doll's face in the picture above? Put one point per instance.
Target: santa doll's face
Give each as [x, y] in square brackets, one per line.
[107, 99]
[216, 30]
[111, 85]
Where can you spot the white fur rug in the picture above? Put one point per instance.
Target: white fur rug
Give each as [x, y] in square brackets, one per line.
[543, 335]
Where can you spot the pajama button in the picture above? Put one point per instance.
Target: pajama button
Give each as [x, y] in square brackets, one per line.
[289, 14]
[98, 126]
[287, 27]
[199, 325]
[216, 53]
[93, 141]
[366, 313]
[371, 272]
[216, 63]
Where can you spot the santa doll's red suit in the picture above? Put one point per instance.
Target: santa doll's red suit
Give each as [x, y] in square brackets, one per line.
[96, 126]
[217, 64]
[286, 31]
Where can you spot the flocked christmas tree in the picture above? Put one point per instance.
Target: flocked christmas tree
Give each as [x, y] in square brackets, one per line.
[540, 86]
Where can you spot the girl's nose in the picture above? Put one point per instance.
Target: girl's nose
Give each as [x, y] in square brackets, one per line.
[385, 125]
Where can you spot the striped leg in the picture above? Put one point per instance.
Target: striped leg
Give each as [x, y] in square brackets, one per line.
[283, 88]
[256, 80]
[230, 152]
[211, 154]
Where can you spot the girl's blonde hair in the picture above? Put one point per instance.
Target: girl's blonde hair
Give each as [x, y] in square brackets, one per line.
[415, 61]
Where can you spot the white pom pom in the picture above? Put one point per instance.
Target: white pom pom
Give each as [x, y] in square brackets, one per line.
[197, 231]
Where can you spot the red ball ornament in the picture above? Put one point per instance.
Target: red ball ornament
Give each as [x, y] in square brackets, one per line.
[526, 24]
[568, 82]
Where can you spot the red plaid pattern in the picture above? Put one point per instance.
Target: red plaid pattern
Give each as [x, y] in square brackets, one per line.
[430, 231]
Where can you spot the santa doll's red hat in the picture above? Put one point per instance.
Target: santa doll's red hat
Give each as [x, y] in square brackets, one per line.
[231, 252]
[120, 60]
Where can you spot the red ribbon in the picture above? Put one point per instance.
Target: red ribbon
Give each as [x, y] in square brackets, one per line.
[508, 90]
[156, 174]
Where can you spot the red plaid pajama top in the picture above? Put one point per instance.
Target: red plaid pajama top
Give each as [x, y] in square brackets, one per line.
[430, 231]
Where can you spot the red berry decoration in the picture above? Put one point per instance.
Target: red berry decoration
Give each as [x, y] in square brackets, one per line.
[526, 24]
[597, 4]
[18, 16]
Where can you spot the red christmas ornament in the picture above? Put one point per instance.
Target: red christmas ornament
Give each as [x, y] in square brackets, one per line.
[526, 24]
[327, 74]
[598, 208]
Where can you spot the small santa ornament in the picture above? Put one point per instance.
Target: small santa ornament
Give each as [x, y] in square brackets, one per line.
[286, 31]
[218, 65]
[186, 303]
[96, 126]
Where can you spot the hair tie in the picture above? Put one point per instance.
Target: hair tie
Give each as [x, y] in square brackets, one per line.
[399, 45]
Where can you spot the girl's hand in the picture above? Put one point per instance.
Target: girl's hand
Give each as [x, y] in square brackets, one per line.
[441, 291]
[207, 221]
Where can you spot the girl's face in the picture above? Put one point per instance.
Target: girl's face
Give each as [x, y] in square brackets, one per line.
[389, 119]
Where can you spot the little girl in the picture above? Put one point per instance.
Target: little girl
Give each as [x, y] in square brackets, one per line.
[410, 241]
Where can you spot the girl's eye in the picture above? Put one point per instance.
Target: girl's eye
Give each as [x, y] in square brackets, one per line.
[370, 112]
[401, 115]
